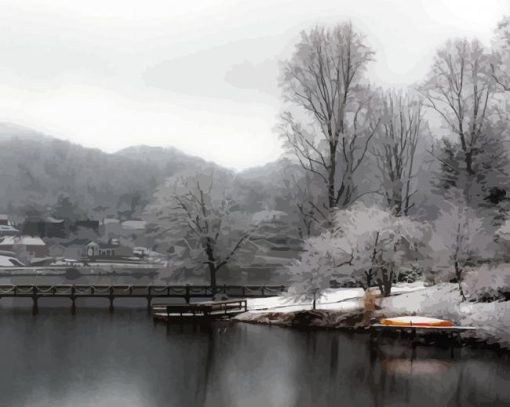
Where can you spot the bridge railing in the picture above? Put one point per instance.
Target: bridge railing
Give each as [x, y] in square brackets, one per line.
[134, 290]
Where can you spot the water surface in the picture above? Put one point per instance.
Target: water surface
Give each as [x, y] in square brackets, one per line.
[122, 359]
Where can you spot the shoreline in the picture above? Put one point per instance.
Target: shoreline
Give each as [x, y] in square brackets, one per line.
[287, 321]
[439, 301]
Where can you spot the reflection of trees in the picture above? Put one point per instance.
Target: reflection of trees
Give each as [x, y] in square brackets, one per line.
[204, 378]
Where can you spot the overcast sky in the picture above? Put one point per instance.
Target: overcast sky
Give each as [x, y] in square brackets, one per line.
[200, 75]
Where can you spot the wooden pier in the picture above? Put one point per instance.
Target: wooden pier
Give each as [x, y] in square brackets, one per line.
[148, 292]
[421, 328]
[450, 334]
[198, 312]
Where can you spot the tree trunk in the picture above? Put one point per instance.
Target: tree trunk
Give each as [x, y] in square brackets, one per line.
[385, 282]
[469, 163]
[211, 262]
[458, 276]
[212, 276]
[331, 175]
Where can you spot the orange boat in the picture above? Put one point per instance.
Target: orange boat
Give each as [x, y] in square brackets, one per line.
[415, 321]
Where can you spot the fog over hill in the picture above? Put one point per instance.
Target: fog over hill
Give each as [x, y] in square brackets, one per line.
[36, 169]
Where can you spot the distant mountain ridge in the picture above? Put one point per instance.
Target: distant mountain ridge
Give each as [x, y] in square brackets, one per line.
[35, 169]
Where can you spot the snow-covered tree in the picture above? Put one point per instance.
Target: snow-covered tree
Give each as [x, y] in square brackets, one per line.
[461, 89]
[395, 147]
[329, 123]
[381, 244]
[369, 244]
[458, 239]
[195, 212]
[320, 261]
[303, 190]
[500, 62]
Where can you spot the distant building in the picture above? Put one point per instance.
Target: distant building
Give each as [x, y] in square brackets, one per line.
[44, 227]
[86, 224]
[8, 230]
[9, 261]
[105, 251]
[134, 225]
[33, 245]
[4, 220]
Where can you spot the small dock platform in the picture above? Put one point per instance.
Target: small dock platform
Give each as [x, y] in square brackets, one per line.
[198, 312]
[446, 334]
[411, 328]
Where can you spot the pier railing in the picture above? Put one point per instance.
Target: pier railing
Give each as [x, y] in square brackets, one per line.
[149, 292]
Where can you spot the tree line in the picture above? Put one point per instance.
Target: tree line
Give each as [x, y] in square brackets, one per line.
[377, 180]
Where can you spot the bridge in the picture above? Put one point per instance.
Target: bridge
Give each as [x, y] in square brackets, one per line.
[148, 292]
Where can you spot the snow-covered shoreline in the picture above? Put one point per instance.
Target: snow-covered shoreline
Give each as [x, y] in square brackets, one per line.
[343, 308]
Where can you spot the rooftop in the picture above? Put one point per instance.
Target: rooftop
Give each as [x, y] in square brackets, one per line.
[22, 240]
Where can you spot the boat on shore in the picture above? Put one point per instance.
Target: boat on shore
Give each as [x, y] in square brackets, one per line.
[415, 321]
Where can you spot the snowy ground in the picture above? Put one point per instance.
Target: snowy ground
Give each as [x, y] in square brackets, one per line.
[338, 299]
[444, 301]
[440, 301]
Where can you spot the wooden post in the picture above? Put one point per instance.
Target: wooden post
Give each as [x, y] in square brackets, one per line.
[111, 298]
[187, 296]
[35, 299]
[35, 307]
[452, 345]
[73, 300]
[149, 298]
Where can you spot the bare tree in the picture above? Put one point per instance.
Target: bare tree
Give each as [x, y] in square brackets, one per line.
[460, 88]
[197, 209]
[458, 238]
[500, 62]
[395, 149]
[323, 80]
[302, 191]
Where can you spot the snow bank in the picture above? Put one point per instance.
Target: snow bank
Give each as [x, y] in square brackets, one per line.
[444, 301]
[440, 301]
[337, 299]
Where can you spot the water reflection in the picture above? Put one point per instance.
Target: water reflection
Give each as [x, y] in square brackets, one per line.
[97, 359]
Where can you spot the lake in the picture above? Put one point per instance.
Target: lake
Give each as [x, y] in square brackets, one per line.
[123, 359]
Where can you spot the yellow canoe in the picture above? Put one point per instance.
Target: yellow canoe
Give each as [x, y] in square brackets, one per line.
[415, 321]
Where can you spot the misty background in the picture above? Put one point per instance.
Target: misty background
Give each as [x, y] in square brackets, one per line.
[200, 76]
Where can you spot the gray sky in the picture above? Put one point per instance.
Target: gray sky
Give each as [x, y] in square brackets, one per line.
[199, 75]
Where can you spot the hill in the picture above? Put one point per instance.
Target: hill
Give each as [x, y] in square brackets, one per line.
[36, 169]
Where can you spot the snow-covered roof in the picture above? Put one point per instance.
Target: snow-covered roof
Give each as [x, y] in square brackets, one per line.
[8, 261]
[4, 217]
[22, 240]
[267, 216]
[45, 219]
[8, 228]
[106, 221]
[134, 224]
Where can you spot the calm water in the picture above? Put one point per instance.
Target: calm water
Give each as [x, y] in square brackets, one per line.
[122, 359]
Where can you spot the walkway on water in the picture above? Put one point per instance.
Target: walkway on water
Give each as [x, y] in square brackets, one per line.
[149, 292]
[198, 312]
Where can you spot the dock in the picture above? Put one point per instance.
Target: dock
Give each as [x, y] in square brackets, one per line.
[148, 292]
[414, 332]
[415, 328]
[198, 312]
[448, 336]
